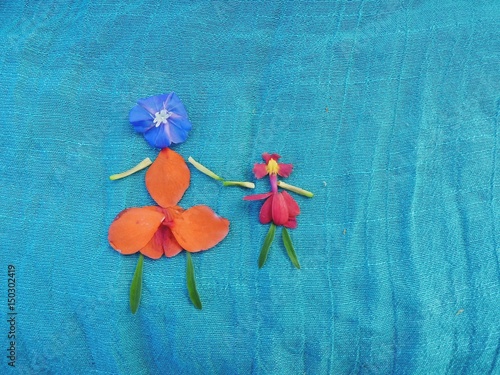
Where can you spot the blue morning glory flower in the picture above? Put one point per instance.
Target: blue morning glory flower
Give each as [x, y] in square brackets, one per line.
[162, 119]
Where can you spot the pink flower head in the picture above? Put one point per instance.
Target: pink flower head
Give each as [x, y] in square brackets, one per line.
[279, 207]
[272, 167]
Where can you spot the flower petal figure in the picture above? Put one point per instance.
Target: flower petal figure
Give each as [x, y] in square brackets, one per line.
[279, 208]
[162, 119]
[166, 229]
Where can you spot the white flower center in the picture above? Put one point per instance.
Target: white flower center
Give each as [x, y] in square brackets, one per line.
[161, 117]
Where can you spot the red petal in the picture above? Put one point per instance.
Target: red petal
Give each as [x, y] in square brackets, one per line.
[267, 156]
[275, 157]
[199, 228]
[257, 197]
[285, 169]
[259, 170]
[293, 207]
[266, 212]
[167, 178]
[280, 209]
[291, 223]
[133, 228]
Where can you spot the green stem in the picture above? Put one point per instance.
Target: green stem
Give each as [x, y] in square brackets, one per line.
[211, 174]
[136, 286]
[287, 241]
[204, 169]
[267, 245]
[143, 164]
[191, 283]
[249, 185]
[295, 189]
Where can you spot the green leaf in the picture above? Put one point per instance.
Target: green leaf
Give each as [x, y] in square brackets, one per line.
[267, 245]
[191, 283]
[136, 286]
[287, 241]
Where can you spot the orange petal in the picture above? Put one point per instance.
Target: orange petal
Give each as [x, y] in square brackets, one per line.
[133, 228]
[163, 242]
[167, 178]
[170, 245]
[199, 228]
[154, 248]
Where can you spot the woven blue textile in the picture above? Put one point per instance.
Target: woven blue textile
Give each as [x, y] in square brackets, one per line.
[389, 112]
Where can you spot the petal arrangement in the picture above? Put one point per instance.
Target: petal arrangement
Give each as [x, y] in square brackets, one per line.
[279, 208]
[167, 229]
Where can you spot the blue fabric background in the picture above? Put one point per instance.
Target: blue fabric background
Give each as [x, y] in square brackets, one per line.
[389, 111]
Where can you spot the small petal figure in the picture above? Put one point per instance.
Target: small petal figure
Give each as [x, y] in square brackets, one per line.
[162, 119]
[279, 208]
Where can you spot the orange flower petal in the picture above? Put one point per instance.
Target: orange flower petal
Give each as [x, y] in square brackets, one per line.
[163, 242]
[170, 245]
[167, 178]
[133, 228]
[199, 228]
[154, 248]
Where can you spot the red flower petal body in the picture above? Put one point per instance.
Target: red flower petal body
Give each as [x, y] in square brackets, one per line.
[266, 211]
[279, 209]
[293, 207]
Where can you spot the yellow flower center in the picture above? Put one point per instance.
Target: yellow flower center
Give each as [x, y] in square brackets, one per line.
[272, 167]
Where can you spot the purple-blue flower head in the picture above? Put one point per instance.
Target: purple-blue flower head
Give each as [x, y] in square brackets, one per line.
[162, 119]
